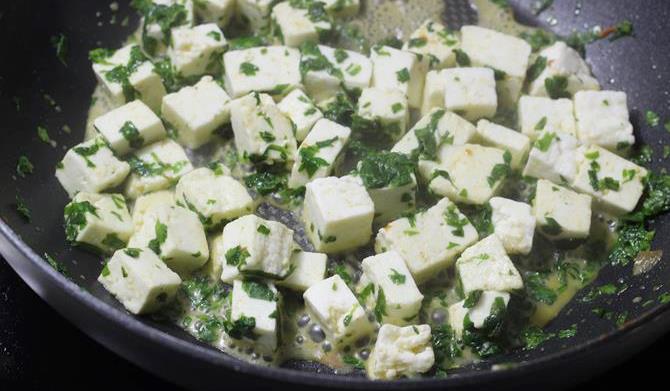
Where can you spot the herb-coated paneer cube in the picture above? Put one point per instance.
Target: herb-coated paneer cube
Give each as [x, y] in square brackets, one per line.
[299, 22]
[333, 305]
[99, 221]
[307, 269]
[602, 119]
[262, 132]
[401, 70]
[470, 92]
[215, 198]
[159, 19]
[197, 50]
[401, 351]
[537, 114]
[513, 223]
[301, 111]
[560, 72]
[553, 157]
[498, 136]
[382, 111]
[255, 246]
[414, 239]
[342, 8]
[273, 69]
[397, 297]
[487, 304]
[128, 75]
[254, 314]
[433, 91]
[255, 12]
[346, 227]
[145, 205]
[561, 213]
[195, 112]
[486, 267]
[130, 127]
[318, 152]
[215, 11]
[92, 167]
[436, 42]
[507, 55]
[156, 167]
[139, 280]
[614, 182]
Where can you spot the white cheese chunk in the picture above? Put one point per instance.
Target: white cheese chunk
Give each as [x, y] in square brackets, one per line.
[563, 63]
[477, 315]
[498, 136]
[400, 70]
[155, 38]
[302, 112]
[217, 258]
[436, 42]
[156, 167]
[146, 204]
[383, 111]
[197, 50]
[433, 91]
[215, 11]
[273, 69]
[513, 223]
[401, 351]
[561, 213]
[553, 157]
[300, 22]
[257, 300]
[470, 92]
[345, 69]
[538, 114]
[306, 270]
[486, 266]
[255, 13]
[602, 119]
[130, 127]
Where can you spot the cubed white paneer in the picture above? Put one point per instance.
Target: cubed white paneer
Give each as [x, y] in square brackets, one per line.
[273, 69]
[318, 152]
[255, 12]
[306, 270]
[383, 111]
[486, 267]
[301, 111]
[562, 65]
[513, 223]
[537, 114]
[470, 92]
[506, 54]
[414, 239]
[553, 157]
[561, 213]
[139, 280]
[197, 50]
[166, 15]
[401, 351]
[262, 132]
[217, 258]
[333, 305]
[130, 127]
[215, 11]
[156, 167]
[401, 70]
[298, 22]
[99, 221]
[498, 136]
[257, 300]
[488, 304]
[436, 42]
[342, 8]
[215, 198]
[91, 167]
[145, 205]
[346, 227]
[255, 246]
[394, 286]
[602, 119]
[614, 182]
[433, 92]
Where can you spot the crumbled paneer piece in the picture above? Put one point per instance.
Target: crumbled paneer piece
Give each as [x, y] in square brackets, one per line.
[498, 136]
[561, 213]
[433, 91]
[301, 111]
[553, 157]
[130, 127]
[215, 198]
[488, 304]
[470, 92]
[317, 154]
[486, 267]
[562, 72]
[538, 114]
[262, 132]
[215, 11]
[99, 221]
[602, 119]
[139, 280]
[383, 111]
[298, 22]
[401, 351]
[255, 12]
[91, 167]
[273, 69]
[306, 270]
[614, 182]
[333, 230]
[156, 167]
[401, 70]
[335, 307]
[197, 50]
[414, 239]
[513, 223]
[342, 8]
[436, 42]
[257, 300]
[156, 32]
[145, 205]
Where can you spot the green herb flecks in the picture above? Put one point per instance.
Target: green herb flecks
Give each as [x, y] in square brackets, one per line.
[59, 42]
[161, 232]
[258, 290]
[24, 166]
[75, 218]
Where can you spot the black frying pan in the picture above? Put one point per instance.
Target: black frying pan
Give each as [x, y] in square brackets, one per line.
[29, 70]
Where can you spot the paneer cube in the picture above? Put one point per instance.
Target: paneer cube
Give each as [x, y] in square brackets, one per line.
[498, 136]
[334, 230]
[301, 111]
[195, 51]
[383, 113]
[395, 287]
[436, 42]
[146, 204]
[561, 213]
[553, 157]
[130, 127]
[98, 221]
[164, 16]
[217, 259]
[297, 23]
[318, 153]
[90, 167]
[537, 114]
[342, 8]
[139, 280]
[400, 70]
[561, 65]
[215, 11]
[306, 270]
[433, 92]
[414, 239]
[273, 69]
[255, 13]
[470, 92]
[401, 351]
[257, 300]
[333, 305]
[486, 267]
[602, 119]
[614, 182]
[156, 167]
[488, 304]
[513, 223]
